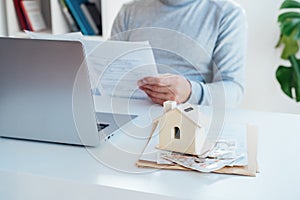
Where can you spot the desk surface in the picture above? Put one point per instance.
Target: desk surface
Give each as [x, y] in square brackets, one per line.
[34, 170]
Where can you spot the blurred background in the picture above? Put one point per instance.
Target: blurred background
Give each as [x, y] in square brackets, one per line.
[263, 92]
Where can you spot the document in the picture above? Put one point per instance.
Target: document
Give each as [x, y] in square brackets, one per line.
[119, 65]
[75, 36]
[114, 66]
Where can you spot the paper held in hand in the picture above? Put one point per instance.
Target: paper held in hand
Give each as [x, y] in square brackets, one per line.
[119, 65]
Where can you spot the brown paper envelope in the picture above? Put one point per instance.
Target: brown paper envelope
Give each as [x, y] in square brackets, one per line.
[251, 168]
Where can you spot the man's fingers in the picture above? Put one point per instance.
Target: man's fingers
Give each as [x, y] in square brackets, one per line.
[158, 101]
[156, 88]
[163, 96]
[165, 80]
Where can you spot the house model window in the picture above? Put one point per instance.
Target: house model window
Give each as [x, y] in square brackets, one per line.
[177, 133]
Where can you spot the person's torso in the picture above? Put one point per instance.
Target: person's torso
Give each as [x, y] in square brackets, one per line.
[183, 36]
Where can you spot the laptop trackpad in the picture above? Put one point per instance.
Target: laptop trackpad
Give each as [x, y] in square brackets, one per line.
[112, 122]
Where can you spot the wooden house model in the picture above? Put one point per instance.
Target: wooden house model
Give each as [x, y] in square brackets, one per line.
[182, 129]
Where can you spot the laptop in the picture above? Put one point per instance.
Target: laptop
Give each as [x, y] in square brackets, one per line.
[45, 94]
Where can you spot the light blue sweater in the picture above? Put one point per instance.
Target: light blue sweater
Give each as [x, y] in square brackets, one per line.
[203, 40]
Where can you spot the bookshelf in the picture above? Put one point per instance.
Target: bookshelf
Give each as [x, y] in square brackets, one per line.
[55, 20]
[3, 30]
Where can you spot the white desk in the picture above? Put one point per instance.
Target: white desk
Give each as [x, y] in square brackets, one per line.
[33, 170]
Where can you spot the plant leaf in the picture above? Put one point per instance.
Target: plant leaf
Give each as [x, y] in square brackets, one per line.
[297, 36]
[291, 46]
[290, 4]
[288, 26]
[280, 41]
[288, 15]
[296, 70]
[289, 77]
[284, 76]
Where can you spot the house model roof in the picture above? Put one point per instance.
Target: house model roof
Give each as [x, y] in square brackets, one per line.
[192, 113]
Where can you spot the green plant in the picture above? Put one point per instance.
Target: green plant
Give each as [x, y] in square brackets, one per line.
[289, 20]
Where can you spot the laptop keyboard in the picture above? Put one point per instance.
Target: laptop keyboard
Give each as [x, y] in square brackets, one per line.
[101, 126]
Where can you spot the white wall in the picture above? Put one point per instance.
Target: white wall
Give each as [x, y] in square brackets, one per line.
[2, 19]
[110, 9]
[263, 91]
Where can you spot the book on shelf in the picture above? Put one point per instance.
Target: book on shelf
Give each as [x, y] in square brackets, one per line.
[20, 15]
[33, 14]
[68, 16]
[93, 16]
[80, 18]
[89, 18]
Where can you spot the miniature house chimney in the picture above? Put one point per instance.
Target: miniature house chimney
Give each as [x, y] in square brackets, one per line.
[169, 105]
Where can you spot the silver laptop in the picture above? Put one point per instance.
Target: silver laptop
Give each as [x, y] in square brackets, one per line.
[45, 94]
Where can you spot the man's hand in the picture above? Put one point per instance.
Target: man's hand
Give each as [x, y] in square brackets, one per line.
[166, 87]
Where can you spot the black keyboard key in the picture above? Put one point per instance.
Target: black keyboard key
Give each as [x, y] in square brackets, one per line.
[102, 126]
